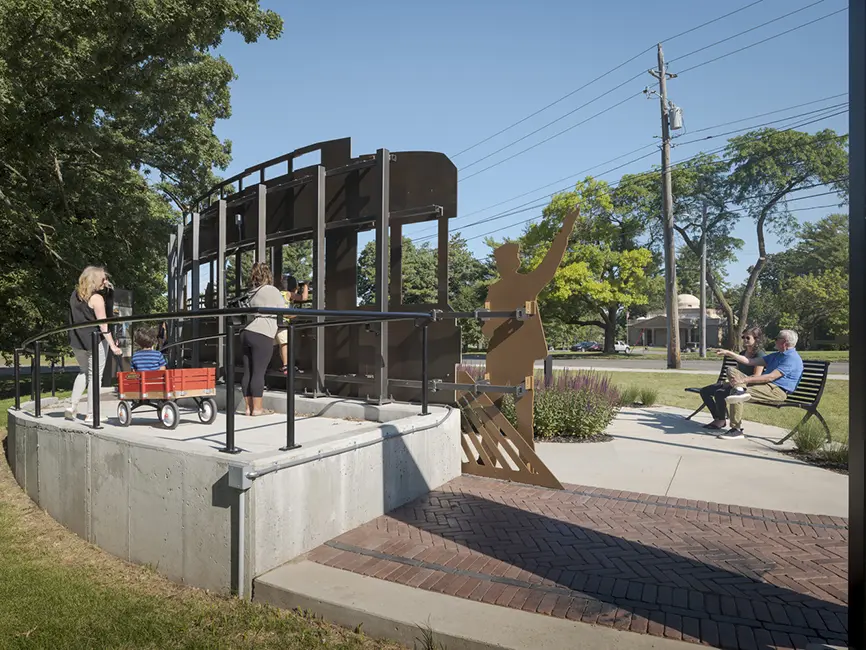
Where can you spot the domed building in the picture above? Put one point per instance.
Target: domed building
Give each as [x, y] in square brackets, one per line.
[652, 329]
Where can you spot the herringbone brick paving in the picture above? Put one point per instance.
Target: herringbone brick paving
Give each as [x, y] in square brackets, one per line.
[722, 575]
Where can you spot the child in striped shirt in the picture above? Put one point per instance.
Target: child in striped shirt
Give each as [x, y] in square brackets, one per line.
[146, 358]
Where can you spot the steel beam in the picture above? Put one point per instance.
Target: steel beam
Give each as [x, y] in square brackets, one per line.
[196, 283]
[319, 281]
[383, 170]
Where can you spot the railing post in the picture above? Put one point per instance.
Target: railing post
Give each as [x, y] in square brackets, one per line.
[425, 382]
[95, 378]
[230, 390]
[17, 356]
[37, 379]
[53, 384]
[290, 394]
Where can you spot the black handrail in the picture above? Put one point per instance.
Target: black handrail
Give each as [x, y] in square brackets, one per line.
[341, 317]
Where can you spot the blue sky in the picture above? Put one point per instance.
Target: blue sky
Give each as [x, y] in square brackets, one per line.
[444, 75]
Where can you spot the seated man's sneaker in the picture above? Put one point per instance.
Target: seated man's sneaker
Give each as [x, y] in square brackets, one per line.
[732, 434]
[738, 396]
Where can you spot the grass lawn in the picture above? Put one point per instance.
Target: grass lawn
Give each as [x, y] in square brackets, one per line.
[58, 591]
[671, 388]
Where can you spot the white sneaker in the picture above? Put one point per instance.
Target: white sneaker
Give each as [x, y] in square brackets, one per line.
[88, 419]
[739, 396]
[69, 414]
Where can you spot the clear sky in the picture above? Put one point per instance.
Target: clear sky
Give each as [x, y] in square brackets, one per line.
[444, 75]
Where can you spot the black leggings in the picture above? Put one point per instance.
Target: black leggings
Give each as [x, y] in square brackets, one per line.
[257, 350]
[714, 397]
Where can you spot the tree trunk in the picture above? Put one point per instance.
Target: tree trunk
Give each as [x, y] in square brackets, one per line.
[733, 333]
[752, 282]
[609, 318]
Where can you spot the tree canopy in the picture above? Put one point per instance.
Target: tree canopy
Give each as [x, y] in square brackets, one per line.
[107, 111]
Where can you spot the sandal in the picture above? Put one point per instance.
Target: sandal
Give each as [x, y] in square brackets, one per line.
[262, 412]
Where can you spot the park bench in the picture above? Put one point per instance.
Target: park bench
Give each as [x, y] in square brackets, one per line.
[806, 396]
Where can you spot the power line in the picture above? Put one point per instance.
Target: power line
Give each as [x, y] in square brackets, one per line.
[653, 145]
[780, 110]
[602, 76]
[746, 31]
[769, 38]
[556, 135]
[515, 209]
[486, 234]
[541, 128]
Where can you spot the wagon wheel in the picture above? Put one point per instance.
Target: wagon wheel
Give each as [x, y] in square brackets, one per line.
[207, 410]
[124, 413]
[169, 415]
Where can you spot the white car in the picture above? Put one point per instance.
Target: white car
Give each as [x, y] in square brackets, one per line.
[622, 346]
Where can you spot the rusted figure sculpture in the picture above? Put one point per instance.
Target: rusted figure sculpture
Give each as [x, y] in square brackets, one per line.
[515, 345]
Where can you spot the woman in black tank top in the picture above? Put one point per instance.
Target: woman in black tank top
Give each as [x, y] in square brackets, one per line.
[86, 304]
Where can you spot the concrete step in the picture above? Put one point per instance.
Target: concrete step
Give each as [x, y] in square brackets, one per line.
[387, 610]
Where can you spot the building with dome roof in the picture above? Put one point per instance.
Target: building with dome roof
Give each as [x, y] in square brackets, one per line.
[652, 329]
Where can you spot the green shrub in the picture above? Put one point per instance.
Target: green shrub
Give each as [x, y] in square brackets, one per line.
[576, 405]
[836, 452]
[649, 395]
[810, 437]
[629, 395]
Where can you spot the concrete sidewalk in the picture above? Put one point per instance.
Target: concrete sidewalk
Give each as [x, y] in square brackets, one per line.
[658, 451]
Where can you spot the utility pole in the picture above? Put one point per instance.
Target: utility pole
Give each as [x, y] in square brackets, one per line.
[672, 308]
[704, 283]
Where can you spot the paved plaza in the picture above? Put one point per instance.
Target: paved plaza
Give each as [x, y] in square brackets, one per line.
[704, 572]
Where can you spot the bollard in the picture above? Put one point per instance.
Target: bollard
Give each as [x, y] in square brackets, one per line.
[53, 384]
[230, 391]
[548, 371]
[290, 394]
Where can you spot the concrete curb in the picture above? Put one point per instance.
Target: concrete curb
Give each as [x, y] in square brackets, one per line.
[387, 610]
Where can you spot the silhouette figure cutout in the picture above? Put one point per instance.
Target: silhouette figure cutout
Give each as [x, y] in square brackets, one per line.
[514, 345]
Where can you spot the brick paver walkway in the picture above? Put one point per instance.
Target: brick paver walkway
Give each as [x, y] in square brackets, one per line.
[725, 576]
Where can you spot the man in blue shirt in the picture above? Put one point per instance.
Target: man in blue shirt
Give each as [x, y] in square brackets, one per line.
[782, 372]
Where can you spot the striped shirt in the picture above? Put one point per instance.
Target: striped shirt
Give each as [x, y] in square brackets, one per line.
[148, 360]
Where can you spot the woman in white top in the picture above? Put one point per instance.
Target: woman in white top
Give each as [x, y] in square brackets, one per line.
[257, 338]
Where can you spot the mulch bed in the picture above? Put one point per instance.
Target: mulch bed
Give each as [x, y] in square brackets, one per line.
[818, 461]
[598, 437]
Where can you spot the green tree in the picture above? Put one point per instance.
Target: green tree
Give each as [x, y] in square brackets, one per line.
[107, 113]
[759, 172]
[766, 166]
[604, 271]
[816, 300]
[790, 292]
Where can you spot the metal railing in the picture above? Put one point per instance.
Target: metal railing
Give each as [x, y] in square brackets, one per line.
[337, 317]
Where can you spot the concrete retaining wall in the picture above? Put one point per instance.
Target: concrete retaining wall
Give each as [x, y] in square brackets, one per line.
[151, 502]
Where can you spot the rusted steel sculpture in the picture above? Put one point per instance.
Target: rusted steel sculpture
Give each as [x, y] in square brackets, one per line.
[515, 345]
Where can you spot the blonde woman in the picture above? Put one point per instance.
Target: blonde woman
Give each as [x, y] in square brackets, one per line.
[257, 338]
[86, 304]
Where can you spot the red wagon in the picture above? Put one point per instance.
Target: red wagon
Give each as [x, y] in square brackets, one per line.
[160, 388]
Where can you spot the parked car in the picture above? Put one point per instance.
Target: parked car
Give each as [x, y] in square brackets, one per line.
[622, 346]
[594, 347]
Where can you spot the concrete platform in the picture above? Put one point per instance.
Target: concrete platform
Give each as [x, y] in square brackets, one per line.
[172, 499]
[657, 451]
